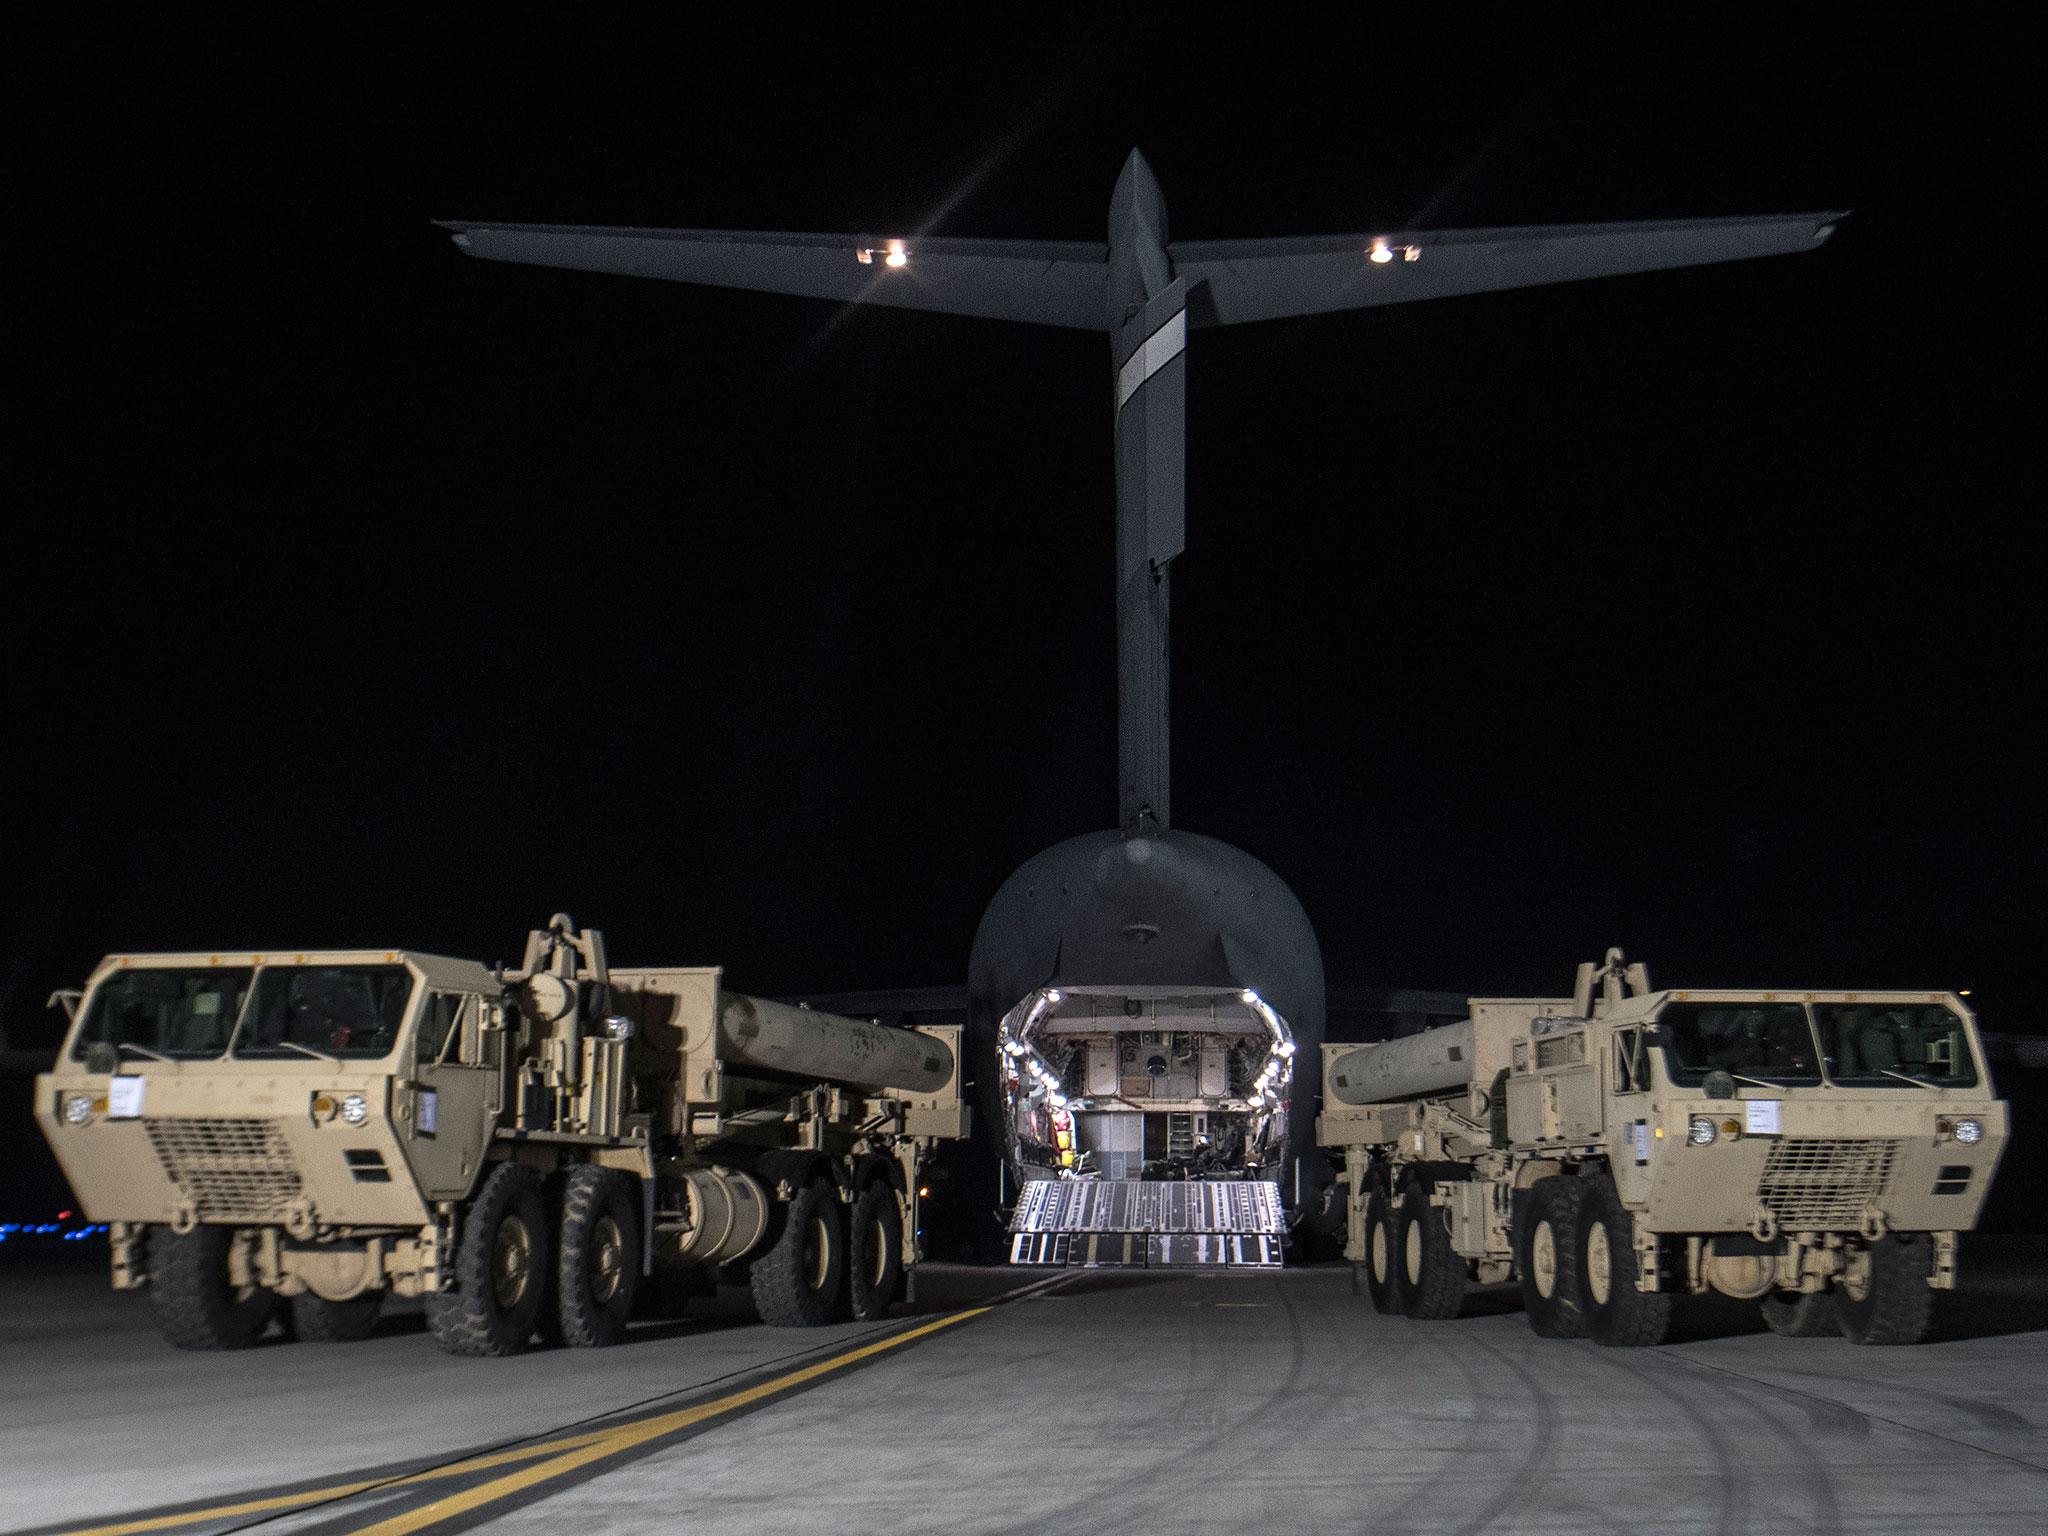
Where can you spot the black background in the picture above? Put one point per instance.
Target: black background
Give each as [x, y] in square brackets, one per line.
[359, 593]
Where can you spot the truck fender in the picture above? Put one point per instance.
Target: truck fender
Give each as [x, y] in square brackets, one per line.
[877, 1169]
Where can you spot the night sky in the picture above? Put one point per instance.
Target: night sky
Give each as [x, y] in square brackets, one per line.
[361, 593]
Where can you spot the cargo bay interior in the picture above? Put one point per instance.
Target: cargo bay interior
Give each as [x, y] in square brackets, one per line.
[1146, 1083]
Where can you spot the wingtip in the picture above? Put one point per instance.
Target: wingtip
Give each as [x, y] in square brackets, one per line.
[1825, 224]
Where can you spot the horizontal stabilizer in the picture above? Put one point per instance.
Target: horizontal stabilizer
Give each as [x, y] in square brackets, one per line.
[1042, 282]
[1272, 279]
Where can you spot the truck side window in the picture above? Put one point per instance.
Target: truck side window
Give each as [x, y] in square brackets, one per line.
[1625, 1062]
[437, 1019]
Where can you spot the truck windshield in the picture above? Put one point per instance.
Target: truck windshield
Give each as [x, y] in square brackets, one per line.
[1869, 1042]
[327, 1010]
[181, 1013]
[1772, 1042]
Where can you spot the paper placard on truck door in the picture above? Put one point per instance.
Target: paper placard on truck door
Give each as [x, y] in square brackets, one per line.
[1760, 1117]
[124, 1098]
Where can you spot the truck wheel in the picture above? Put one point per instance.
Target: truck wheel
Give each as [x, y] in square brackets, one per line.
[599, 1268]
[1616, 1312]
[1382, 1269]
[1795, 1316]
[197, 1305]
[1547, 1259]
[316, 1320]
[874, 1251]
[500, 1274]
[1433, 1277]
[800, 1280]
[1882, 1296]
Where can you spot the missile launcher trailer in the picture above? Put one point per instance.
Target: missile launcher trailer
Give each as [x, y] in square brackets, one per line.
[1817, 1152]
[522, 1149]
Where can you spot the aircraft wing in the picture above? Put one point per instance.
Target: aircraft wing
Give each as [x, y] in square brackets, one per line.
[1044, 282]
[1271, 279]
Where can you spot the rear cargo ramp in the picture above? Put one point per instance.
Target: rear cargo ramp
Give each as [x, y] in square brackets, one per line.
[1146, 1223]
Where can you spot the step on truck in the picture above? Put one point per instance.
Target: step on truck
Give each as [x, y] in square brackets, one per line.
[1817, 1152]
[529, 1151]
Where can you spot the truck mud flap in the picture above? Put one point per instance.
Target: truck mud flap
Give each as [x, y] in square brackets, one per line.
[1135, 1223]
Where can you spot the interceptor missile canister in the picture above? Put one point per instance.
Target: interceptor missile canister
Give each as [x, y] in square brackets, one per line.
[801, 1042]
[1435, 1061]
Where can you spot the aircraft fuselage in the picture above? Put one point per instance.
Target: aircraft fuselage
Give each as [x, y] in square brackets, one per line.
[1136, 1006]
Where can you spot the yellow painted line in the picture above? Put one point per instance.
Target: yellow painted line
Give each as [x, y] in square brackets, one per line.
[609, 1439]
[631, 1435]
[338, 1490]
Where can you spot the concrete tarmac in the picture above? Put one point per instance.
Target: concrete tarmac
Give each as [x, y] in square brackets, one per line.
[1142, 1401]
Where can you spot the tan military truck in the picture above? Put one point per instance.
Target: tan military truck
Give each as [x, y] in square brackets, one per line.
[522, 1149]
[1814, 1151]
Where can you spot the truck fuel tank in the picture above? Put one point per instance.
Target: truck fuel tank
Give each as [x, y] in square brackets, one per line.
[802, 1042]
[1435, 1061]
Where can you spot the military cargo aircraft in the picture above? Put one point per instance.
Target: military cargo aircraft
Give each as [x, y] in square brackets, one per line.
[1137, 997]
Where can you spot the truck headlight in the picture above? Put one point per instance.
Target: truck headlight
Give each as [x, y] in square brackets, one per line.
[1968, 1132]
[354, 1109]
[1700, 1132]
[78, 1109]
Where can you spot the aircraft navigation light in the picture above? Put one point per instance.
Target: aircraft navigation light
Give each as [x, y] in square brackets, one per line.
[1381, 255]
[896, 256]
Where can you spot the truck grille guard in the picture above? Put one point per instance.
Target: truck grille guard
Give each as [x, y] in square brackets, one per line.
[1813, 1183]
[229, 1169]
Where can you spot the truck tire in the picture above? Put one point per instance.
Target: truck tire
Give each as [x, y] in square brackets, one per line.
[1382, 1268]
[197, 1305]
[316, 1320]
[1547, 1252]
[1616, 1312]
[1882, 1296]
[874, 1252]
[1433, 1277]
[500, 1272]
[799, 1281]
[1792, 1315]
[598, 1270]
